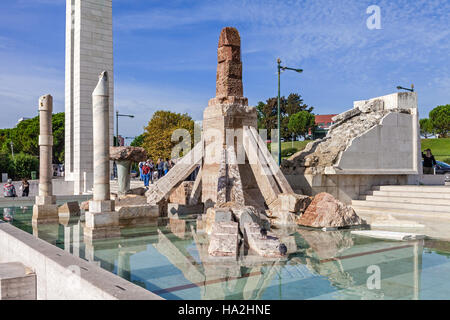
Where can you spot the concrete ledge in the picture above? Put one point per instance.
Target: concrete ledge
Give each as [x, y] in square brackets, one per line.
[17, 201]
[62, 276]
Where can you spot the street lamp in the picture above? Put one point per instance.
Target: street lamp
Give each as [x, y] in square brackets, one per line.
[279, 98]
[401, 88]
[117, 124]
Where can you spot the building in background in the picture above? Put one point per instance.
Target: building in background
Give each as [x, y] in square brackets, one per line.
[323, 124]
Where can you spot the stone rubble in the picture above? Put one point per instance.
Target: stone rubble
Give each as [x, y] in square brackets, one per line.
[326, 152]
[326, 211]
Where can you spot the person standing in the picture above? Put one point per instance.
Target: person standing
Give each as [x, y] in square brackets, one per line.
[146, 174]
[140, 170]
[160, 168]
[166, 166]
[428, 162]
[25, 187]
[9, 191]
[151, 165]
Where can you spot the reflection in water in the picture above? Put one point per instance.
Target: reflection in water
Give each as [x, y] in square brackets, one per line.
[172, 260]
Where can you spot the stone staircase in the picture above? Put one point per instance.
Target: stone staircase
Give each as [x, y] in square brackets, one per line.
[405, 200]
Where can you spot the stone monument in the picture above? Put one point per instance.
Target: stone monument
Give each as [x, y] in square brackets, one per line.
[89, 51]
[102, 221]
[45, 210]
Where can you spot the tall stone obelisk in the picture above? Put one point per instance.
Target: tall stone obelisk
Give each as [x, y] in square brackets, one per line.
[45, 210]
[102, 221]
[89, 51]
[223, 121]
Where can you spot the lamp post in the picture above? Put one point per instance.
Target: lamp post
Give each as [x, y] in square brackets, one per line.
[12, 150]
[280, 67]
[117, 124]
[401, 88]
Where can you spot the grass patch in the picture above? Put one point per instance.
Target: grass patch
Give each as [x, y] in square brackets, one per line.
[440, 148]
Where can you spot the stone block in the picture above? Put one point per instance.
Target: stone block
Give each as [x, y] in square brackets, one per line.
[17, 282]
[224, 239]
[217, 215]
[229, 36]
[174, 208]
[99, 206]
[293, 202]
[69, 209]
[45, 200]
[138, 215]
[230, 69]
[228, 53]
[101, 219]
[47, 213]
[181, 194]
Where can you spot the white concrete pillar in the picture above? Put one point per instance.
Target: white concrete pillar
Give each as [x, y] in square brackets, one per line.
[102, 221]
[45, 209]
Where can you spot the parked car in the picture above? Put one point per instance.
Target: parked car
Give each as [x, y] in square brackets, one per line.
[442, 167]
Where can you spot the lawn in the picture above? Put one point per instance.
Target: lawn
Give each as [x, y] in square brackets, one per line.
[440, 148]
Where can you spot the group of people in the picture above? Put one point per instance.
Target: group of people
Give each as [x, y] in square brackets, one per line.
[150, 171]
[9, 191]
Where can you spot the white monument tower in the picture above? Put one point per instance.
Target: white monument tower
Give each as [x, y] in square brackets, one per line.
[89, 51]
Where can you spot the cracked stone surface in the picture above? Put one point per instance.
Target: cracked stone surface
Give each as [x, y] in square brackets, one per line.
[326, 152]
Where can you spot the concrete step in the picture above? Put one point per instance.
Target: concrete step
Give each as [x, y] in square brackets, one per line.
[399, 205]
[367, 212]
[410, 194]
[414, 200]
[413, 188]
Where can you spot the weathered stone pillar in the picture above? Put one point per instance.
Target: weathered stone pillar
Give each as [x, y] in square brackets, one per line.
[45, 209]
[123, 176]
[102, 221]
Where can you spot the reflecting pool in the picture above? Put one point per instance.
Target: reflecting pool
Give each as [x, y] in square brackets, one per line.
[172, 260]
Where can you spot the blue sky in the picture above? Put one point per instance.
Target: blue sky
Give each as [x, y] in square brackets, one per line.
[165, 53]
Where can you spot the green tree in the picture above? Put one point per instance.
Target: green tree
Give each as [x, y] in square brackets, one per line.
[426, 128]
[138, 141]
[25, 137]
[440, 118]
[301, 122]
[24, 164]
[158, 133]
[268, 111]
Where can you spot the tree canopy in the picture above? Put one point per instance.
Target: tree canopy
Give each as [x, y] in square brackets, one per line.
[25, 138]
[440, 119]
[426, 128]
[158, 133]
[267, 112]
[301, 122]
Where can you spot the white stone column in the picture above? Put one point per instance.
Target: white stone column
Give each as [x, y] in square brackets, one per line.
[102, 221]
[45, 209]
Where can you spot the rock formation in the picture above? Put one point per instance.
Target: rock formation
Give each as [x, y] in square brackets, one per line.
[325, 211]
